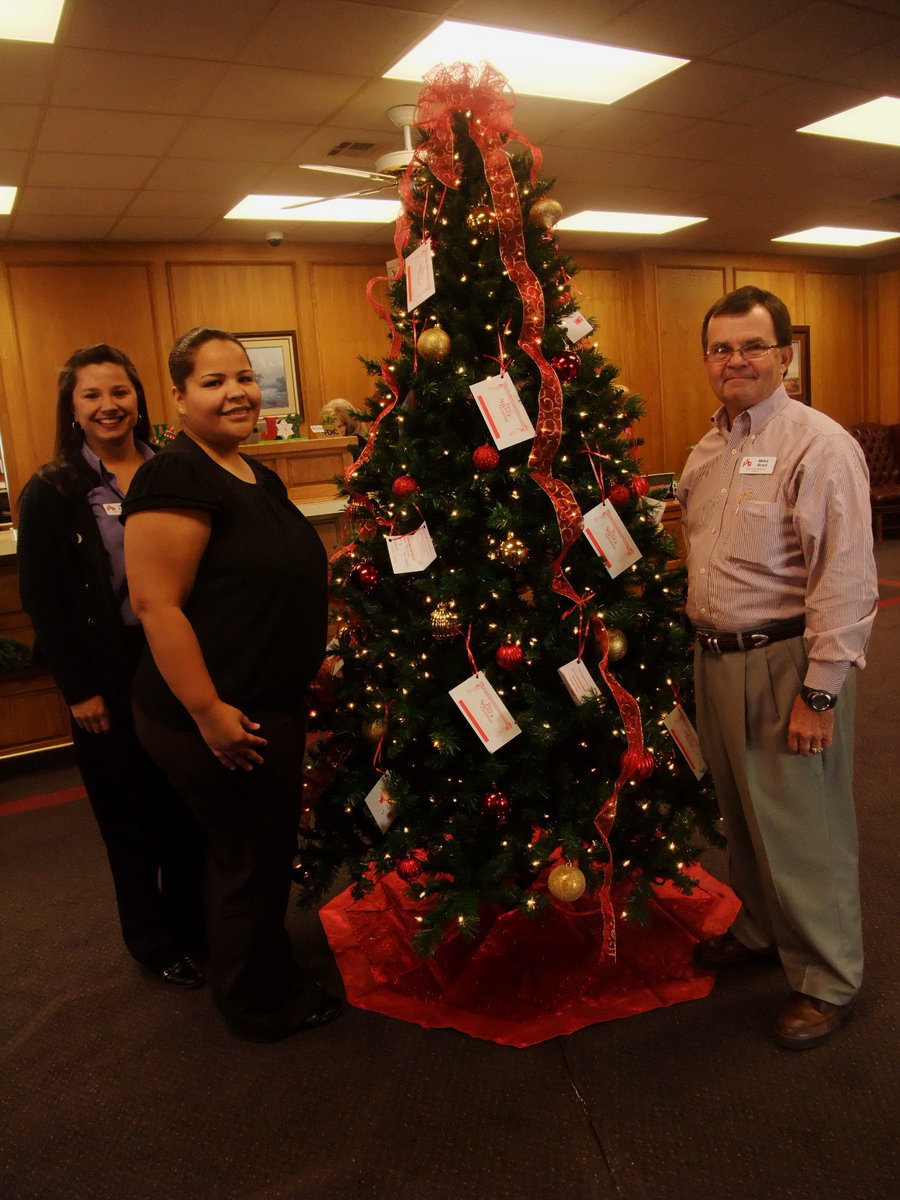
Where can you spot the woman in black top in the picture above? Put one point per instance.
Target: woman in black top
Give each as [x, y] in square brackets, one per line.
[72, 582]
[229, 580]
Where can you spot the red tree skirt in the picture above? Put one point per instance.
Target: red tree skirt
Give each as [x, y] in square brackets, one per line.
[526, 979]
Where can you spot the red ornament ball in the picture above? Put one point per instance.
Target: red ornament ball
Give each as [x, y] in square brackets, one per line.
[618, 495]
[410, 867]
[365, 577]
[495, 806]
[566, 365]
[509, 657]
[640, 486]
[485, 457]
[366, 530]
[639, 764]
[403, 486]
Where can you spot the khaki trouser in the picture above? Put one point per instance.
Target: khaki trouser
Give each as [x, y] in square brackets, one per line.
[789, 819]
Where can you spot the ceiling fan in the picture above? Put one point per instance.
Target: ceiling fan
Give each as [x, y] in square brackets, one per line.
[388, 168]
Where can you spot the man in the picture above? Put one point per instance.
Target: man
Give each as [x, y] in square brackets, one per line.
[781, 596]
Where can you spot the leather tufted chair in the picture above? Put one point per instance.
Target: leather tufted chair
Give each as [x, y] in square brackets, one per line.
[881, 446]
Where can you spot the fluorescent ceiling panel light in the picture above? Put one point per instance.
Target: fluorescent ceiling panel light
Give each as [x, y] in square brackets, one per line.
[7, 199]
[877, 121]
[594, 221]
[272, 208]
[537, 65]
[29, 20]
[837, 235]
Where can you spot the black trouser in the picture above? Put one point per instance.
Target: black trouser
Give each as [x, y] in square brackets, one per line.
[250, 819]
[154, 846]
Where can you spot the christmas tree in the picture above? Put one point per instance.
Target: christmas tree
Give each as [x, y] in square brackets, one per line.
[468, 567]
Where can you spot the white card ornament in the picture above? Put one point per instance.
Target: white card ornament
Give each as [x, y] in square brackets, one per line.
[284, 429]
[381, 806]
[578, 681]
[485, 712]
[604, 529]
[411, 551]
[684, 735]
[577, 326]
[419, 276]
[503, 412]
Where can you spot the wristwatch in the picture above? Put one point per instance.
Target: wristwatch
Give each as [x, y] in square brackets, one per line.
[816, 700]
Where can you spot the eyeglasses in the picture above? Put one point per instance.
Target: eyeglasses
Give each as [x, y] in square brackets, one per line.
[721, 351]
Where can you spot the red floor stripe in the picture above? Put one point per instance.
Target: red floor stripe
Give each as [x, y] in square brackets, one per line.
[45, 801]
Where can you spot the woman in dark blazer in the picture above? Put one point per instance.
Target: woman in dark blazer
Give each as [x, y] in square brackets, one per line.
[72, 584]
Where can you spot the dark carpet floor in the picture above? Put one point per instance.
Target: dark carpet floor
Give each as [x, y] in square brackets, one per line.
[116, 1087]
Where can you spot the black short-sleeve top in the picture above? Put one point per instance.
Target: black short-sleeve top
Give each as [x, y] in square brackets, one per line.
[259, 601]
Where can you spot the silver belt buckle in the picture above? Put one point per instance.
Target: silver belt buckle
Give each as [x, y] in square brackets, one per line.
[758, 640]
[712, 643]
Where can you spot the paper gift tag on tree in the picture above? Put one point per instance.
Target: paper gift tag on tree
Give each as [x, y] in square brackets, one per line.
[485, 712]
[605, 530]
[503, 411]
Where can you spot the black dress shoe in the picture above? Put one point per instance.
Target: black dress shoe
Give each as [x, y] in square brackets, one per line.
[266, 1028]
[182, 972]
[724, 950]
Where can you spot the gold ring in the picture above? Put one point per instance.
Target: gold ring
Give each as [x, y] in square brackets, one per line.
[819, 751]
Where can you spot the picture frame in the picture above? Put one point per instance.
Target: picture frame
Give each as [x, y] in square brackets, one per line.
[276, 366]
[796, 381]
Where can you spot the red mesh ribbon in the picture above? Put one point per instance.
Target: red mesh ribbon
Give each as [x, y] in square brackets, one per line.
[487, 109]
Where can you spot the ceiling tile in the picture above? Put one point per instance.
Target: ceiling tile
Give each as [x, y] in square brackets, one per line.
[27, 71]
[206, 175]
[702, 89]
[204, 206]
[349, 38]
[876, 69]
[203, 137]
[19, 124]
[50, 201]
[95, 170]
[106, 132]
[157, 229]
[60, 228]
[691, 28]
[275, 94]
[134, 82]
[170, 27]
[614, 128]
[812, 39]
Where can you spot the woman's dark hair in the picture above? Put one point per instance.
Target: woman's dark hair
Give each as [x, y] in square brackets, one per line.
[741, 301]
[69, 435]
[181, 356]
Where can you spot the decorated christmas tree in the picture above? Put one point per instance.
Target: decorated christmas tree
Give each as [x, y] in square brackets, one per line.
[508, 639]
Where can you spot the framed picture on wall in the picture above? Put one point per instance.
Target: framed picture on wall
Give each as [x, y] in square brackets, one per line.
[273, 357]
[796, 382]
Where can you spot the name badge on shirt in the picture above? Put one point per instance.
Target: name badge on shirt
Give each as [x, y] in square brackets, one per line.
[113, 510]
[757, 465]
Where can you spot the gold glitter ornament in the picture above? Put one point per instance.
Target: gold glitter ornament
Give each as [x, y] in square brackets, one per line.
[433, 344]
[618, 644]
[513, 551]
[443, 623]
[566, 882]
[373, 731]
[545, 212]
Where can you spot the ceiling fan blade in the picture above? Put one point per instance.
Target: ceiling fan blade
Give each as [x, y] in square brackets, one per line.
[372, 191]
[354, 172]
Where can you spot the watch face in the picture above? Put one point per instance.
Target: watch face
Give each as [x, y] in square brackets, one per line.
[819, 701]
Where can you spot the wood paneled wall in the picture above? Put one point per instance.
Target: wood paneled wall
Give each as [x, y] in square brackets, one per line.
[647, 310]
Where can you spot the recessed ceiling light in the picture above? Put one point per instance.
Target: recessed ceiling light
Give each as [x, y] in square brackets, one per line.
[594, 221]
[7, 199]
[877, 121]
[836, 235]
[267, 208]
[29, 20]
[537, 65]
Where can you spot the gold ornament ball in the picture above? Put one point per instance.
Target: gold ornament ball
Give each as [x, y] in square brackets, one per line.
[481, 217]
[433, 344]
[566, 882]
[545, 212]
[373, 731]
[618, 644]
[513, 551]
[443, 623]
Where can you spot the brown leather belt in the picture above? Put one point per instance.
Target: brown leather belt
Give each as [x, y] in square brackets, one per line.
[717, 641]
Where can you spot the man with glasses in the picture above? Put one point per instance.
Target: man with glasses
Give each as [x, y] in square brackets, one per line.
[781, 598]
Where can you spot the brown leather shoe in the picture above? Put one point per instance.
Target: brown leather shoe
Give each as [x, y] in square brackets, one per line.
[807, 1021]
[724, 950]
